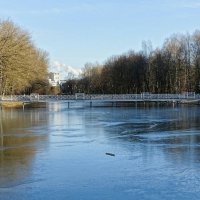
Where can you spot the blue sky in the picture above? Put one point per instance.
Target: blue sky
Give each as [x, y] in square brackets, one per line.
[79, 31]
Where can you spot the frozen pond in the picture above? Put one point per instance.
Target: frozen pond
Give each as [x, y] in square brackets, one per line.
[59, 153]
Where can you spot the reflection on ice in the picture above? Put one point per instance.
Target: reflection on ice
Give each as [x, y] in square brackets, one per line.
[157, 153]
[20, 141]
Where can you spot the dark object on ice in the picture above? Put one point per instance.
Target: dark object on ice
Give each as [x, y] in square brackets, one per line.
[110, 154]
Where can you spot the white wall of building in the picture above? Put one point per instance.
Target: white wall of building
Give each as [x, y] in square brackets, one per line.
[54, 79]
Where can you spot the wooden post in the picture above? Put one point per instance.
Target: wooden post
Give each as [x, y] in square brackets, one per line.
[1, 130]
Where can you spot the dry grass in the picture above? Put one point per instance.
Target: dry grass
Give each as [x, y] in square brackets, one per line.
[20, 104]
[13, 104]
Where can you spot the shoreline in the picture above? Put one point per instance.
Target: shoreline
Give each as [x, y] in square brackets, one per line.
[32, 104]
[20, 104]
[12, 104]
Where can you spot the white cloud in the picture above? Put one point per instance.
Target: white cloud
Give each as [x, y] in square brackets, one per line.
[66, 71]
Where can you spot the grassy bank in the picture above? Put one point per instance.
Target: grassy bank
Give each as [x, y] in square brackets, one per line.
[13, 104]
[20, 104]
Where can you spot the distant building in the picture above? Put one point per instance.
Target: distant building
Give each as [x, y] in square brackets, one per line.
[54, 79]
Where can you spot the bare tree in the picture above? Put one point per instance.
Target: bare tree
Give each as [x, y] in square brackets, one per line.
[21, 63]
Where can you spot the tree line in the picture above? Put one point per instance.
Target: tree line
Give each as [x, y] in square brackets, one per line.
[23, 67]
[173, 68]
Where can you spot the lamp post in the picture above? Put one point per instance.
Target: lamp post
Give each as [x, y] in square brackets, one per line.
[199, 85]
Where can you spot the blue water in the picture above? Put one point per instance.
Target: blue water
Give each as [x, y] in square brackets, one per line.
[60, 153]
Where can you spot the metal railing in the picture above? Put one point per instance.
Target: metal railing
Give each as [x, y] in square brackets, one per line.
[144, 96]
